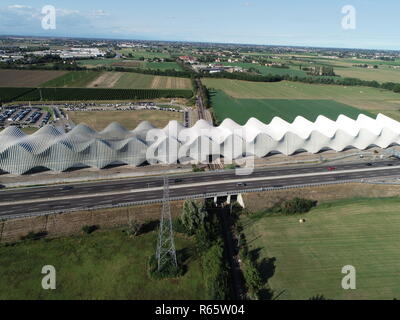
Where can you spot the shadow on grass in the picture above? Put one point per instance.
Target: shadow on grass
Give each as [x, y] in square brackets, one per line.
[149, 226]
[266, 267]
[34, 236]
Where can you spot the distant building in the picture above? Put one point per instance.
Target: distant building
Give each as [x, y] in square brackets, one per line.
[188, 59]
[73, 53]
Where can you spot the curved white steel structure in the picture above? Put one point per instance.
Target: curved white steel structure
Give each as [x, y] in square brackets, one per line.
[58, 151]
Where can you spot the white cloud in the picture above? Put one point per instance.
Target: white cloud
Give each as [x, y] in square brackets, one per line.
[66, 12]
[247, 4]
[99, 13]
[19, 6]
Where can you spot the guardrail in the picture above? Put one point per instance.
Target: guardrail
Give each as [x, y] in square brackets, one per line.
[180, 198]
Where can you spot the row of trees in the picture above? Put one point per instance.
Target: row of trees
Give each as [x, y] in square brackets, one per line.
[311, 79]
[84, 94]
[204, 225]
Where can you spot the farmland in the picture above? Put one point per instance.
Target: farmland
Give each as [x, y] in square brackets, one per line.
[370, 99]
[103, 265]
[82, 94]
[143, 81]
[129, 119]
[27, 78]
[305, 260]
[129, 63]
[117, 80]
[383, 74]
[241, 110]
[99, 62]
[74, 79]
[163, 66]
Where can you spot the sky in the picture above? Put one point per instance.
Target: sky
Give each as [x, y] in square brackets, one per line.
[315, 23]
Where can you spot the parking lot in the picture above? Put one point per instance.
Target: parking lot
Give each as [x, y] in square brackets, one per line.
[23, 117]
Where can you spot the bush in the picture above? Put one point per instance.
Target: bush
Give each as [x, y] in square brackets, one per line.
[193, 216]
[168, 271]
[252, 277]
[197, 169]
[34, 235]
[297, 206]
[230, 167]
[89, 229]
[216, 273]
[291, 207]
[134, 228]
[178, 226]
[203, 239]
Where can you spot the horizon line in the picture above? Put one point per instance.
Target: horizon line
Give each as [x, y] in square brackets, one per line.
[192, 42]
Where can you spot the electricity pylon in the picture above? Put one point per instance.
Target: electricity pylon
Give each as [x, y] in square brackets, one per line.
[166, 247]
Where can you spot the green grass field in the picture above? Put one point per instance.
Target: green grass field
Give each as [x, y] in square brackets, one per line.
[145, 81]
[73, 79]
[364, 98]
[99, 62]
[309, 257]
[162, 66]
[103, 265]
[383, 74]
[117, 80]
[241, 110]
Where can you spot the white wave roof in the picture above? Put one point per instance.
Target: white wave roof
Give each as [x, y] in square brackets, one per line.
[50, 148]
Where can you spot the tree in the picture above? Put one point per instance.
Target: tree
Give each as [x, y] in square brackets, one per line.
[193, 216]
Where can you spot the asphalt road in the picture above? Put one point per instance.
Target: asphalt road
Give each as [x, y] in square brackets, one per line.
[36, 200]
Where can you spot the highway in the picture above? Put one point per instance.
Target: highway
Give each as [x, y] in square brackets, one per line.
[16, 202]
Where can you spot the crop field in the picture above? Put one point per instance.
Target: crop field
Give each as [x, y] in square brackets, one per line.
[83, 94]
[383, 74]
[99, 120]
[73, 79]
[145, 81]
[305, 260]
[125, 63]
[241, 110]
[365, 98]
[27, 78]
[162, 66]
[100, 62]
[103, 265]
